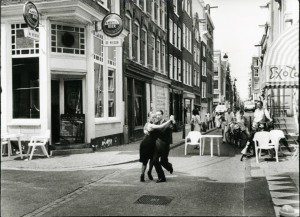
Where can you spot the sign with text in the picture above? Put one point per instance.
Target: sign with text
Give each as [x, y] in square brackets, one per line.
[282, 73]
[112, 25]
[31, 15]
[112, 43]
[30, 33]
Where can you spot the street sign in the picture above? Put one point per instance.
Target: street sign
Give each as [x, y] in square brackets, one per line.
[30, 33]
[112, 43]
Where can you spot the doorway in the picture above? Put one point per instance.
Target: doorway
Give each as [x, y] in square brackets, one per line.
[67, 111]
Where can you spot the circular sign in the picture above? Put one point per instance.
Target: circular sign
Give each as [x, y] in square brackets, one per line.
[31, 15]
[112, 25]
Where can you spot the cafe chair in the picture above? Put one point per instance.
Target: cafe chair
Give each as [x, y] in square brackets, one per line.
[262, 140]
[6, 142]
[193, 138]
[276, 136]
[40, 141]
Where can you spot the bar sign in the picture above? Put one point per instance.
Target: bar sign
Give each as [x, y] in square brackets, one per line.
[112, 43]
[30, 33]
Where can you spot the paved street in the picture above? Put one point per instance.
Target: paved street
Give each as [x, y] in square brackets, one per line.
[201, 186]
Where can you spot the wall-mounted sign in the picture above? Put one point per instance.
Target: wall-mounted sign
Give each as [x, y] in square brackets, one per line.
[283, 73]
[112, 25]
[30, 33]
[31, 15]
[112, 43]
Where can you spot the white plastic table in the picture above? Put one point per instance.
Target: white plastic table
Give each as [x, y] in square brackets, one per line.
[211, 143]
[12, 137]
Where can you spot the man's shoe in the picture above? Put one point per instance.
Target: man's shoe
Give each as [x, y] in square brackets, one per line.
[171, 170]
[142, 178]
[161, 180]
[150, 176]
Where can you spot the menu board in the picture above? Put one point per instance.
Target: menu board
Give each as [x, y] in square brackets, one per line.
[72, 128]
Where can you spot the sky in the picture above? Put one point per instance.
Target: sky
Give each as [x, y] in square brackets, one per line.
[236, 32]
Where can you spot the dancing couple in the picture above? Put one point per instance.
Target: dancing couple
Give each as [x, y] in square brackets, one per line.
[155, 146]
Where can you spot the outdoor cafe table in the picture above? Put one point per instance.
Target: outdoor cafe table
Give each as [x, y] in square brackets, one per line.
[211, 143]
[11, 137]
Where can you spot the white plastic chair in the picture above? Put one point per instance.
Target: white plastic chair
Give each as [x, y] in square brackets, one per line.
[40, 141]
[276, 135]
[194, 138]
[5, 142]
[262, 141]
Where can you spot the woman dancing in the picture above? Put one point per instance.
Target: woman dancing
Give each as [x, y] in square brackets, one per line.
[147, 146]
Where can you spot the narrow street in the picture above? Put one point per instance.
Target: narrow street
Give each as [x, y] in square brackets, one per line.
[200, 185]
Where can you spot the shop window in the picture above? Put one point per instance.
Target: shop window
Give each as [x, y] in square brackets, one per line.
[98, 70]
[67, 39]
[25, 85]
[98, 47]
[111, 93]
[21, 45]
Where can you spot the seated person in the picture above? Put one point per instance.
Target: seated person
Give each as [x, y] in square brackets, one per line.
[228, 118]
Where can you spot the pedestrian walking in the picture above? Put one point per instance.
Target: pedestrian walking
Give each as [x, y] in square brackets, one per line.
[195, 121]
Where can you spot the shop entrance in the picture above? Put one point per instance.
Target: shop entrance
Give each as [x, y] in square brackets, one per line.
[67, 118]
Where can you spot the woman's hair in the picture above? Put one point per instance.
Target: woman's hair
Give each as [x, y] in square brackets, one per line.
[195, 112]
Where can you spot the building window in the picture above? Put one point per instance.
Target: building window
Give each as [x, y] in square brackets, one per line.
[255, 72]
[135, 41]
[150, 51]
[190, 74]
[179, 69]
[216, 84]
[175, 35]
[175, 69]
[188, 8]
[142, 4]
[175, 6]
[216, 73]
[195, 78]
[111, 56]
[156, 10]
[128, 39]
[163, 58]
[216, 96]
[179, 38]
[21, 45]
[198, 78]
[203, 68]
[203, 51]
[98, 70]
[183, 72]
[67, 39]
[171, 31]
[143, 49]
[203, 90]
[111, 93]
[171, 66]
[98, 47]
[26, 88]
[157, 55]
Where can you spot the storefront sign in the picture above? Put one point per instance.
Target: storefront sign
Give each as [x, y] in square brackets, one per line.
[31, 15]
[30, 33]
[283, 73]
[112, 25]
[112, 43]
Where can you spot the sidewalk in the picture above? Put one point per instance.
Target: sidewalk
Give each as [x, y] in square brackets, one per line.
[107, 157]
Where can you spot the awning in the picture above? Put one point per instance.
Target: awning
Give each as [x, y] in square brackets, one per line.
[280, 65]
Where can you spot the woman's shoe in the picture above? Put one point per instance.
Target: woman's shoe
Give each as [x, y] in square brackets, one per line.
[150, 175]
[142, 178]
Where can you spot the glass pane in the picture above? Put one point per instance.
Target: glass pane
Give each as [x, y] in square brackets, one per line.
[98, 69]
[111, 94]
[67, 39]
[26, 101]
[22, 41]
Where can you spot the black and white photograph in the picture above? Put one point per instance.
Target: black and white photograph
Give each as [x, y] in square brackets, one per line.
[149, 108]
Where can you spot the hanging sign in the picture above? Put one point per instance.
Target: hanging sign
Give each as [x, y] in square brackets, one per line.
[30, 33]
[112, 25]
[112, 42]
[31, 15]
